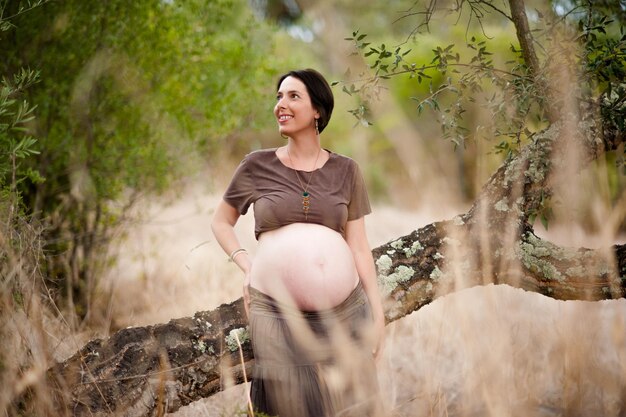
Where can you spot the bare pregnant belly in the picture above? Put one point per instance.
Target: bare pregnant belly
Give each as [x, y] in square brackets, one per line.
[307, 265]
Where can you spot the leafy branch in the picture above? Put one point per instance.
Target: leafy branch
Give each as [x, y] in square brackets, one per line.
[464, 80]
[520, 96]
[24, 7]
[15, 142]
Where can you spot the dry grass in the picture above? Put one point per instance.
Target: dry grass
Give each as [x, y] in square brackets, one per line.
[30, 332]
[500, 351]
[485, 351]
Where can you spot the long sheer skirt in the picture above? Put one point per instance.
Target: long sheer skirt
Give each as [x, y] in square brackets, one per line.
[313, 364]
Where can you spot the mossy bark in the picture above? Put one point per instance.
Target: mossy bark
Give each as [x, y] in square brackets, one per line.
[143, 371]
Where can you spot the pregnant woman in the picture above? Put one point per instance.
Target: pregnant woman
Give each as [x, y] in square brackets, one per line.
[316, 318]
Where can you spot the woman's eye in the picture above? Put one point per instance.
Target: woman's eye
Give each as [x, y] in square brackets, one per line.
[291, 96]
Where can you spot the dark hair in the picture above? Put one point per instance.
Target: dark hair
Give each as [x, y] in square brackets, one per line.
[319, 91]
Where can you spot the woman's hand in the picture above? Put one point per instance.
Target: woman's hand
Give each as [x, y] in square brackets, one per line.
[379, 332]
[357, 240]
[246, 294]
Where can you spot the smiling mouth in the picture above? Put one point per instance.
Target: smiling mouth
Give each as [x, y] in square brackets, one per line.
[284, 117]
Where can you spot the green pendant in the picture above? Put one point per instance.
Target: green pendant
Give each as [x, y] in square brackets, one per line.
[305, 194]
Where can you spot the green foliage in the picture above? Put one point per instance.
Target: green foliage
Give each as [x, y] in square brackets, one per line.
[454, 80]
[461, 78]
[130, 94]
[604, 62]
[16, 144]
[478, 85]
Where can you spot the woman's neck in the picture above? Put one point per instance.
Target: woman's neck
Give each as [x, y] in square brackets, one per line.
[304, 149]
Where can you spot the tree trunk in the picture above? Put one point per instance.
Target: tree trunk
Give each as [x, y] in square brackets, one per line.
[145, 371]
[524, 35]
[526, 41]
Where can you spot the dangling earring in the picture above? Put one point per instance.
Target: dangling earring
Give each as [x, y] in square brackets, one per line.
[317, 129]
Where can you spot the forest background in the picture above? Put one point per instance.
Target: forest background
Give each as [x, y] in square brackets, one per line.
[121, 123]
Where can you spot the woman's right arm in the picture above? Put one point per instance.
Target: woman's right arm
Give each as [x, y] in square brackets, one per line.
[223, 226]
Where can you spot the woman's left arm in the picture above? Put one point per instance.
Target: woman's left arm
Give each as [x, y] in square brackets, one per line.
[356, 238]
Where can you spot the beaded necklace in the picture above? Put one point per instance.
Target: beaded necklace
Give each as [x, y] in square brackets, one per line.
[306, 196]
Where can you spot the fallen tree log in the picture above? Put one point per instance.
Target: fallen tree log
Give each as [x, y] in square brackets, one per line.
[142, 371]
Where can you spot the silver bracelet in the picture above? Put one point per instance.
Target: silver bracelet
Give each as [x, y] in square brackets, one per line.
[236, 252]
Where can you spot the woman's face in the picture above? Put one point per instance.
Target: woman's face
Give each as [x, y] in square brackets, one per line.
[294, 110]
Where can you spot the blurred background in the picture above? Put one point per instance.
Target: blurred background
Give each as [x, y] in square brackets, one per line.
[127, 120]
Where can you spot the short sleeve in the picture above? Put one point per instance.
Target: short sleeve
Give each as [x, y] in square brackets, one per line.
[359, 204]
[240, 191]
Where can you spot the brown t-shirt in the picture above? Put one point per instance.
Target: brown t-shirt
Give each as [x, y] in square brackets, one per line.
[337, 192]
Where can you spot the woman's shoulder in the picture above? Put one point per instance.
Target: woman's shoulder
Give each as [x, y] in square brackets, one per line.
[342, 160]
[260, 155]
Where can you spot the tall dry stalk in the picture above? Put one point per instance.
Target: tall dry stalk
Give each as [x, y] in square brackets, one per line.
[28, 330]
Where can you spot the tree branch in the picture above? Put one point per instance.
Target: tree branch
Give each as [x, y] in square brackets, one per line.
[524, 35]
[498, 10]
[525, 38]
